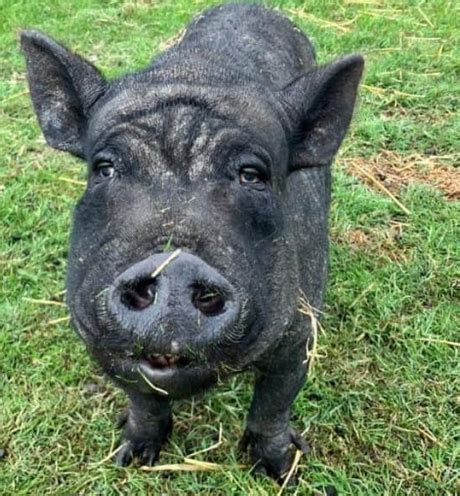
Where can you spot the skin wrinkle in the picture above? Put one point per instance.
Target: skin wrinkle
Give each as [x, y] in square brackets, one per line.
[119, 104]
[169, 141]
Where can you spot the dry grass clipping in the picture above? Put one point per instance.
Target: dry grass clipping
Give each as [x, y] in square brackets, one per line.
[292, 471]
[157, 389]
[209, 448]
[189, 465]
[45, 302]
[173, 40]
[306, 309]
[343, 26]
[163, 265]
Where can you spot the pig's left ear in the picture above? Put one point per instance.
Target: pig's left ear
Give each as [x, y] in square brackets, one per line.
[63, 87]
[320, 106]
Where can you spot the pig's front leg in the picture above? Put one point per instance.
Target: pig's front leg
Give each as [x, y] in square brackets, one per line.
[268, 434]
[146, 425]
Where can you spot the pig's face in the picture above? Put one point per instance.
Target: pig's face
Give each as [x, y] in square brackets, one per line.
[203, 174]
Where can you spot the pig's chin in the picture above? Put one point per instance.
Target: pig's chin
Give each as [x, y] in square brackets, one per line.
[170, 376]
[173, 370]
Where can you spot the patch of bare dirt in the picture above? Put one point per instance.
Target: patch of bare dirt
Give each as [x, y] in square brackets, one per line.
[356, 238]
[392, 171]
[386, 242]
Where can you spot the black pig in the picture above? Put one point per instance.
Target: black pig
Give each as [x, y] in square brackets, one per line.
[205, 214]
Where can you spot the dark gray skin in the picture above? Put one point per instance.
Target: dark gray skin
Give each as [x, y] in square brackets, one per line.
[220, 148]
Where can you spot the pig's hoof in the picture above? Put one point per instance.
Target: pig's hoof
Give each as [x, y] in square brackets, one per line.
[145, 452]
[142, 445]
[271, 455]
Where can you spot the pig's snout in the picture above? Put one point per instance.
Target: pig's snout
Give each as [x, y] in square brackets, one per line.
[184, 295]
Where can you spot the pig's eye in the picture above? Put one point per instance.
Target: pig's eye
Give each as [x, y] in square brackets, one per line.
[104, 170]
[250, 176]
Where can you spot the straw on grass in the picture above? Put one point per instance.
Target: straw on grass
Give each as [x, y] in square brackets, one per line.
[379, 185]
[441, 341]
[57, 321]
[341, 26]
[427, 19]
[425, 432]
[292, 470]
[71, 181]
[376, 90]
[209, 448]
[45, 302]
[111, 454]
[182, 467]
[203, 464]
[12, 97]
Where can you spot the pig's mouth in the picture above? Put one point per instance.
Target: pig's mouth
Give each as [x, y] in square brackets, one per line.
[169, 375]
[158, 361]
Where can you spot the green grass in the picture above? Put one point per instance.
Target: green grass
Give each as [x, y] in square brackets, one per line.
[381, 407]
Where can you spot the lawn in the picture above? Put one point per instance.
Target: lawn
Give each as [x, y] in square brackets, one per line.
[381, 407]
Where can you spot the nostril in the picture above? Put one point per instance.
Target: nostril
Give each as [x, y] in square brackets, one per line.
[208, 300]
[139, 294]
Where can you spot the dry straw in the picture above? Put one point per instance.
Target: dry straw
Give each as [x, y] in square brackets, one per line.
[163, 265]
[306, 309]
[292, 471]
[150, 384]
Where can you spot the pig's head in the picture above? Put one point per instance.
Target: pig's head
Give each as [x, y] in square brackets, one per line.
[183, 259]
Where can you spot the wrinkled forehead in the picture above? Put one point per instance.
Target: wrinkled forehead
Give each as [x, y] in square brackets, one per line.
[184, 125]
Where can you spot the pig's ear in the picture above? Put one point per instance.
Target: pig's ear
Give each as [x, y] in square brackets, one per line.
[320, 106]
[63, 87]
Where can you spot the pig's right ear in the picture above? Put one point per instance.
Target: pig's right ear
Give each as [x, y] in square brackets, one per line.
[320, 105]
[63, 87]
